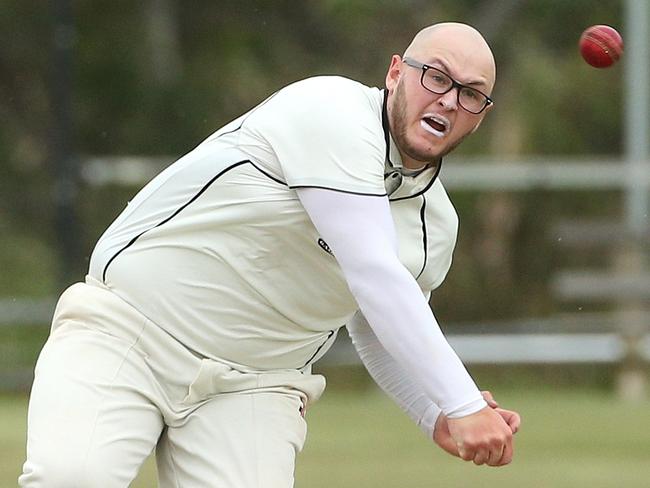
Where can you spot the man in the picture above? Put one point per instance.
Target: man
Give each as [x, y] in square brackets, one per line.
[210, 297]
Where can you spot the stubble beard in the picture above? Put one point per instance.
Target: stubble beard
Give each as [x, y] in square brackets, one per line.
[400, 131]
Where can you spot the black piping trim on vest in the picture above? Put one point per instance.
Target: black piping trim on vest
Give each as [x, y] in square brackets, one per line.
[386, 127]
[339, 190]
[421, 192]
[246, 118]
[423, 219]
[185, 205]
[329, 336]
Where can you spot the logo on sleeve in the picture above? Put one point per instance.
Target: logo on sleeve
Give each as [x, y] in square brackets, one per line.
[324, 246]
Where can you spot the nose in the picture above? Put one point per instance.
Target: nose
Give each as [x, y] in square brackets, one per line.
[449, 100]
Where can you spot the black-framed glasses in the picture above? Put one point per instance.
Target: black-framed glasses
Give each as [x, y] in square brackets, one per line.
[439, 82]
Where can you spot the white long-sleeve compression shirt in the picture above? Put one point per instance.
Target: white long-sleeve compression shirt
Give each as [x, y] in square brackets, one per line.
[360, 231]
[391, 377]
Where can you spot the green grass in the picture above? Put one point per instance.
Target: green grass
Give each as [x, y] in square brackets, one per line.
[570, 437]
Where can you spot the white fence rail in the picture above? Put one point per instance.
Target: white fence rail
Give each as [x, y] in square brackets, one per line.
[589, 173]
[588, 339]
[577, 348]
[583, 341]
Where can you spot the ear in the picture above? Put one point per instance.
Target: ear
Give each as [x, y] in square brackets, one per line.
[394, 72]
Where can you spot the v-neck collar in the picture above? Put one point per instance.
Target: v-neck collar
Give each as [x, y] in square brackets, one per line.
[399, 185]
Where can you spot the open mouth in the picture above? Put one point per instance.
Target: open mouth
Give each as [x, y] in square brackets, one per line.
[434, 124]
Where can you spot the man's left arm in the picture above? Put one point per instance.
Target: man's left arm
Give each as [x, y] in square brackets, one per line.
[390, 376]
[406, 393]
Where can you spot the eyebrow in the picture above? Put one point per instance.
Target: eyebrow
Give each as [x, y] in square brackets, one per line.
[447, 70]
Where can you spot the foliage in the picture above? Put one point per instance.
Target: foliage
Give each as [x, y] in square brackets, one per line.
[156, 77]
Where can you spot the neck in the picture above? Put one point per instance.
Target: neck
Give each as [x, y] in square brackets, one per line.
[415, 165]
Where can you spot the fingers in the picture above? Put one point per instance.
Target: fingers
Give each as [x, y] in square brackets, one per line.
[499, 454]
[487, 396]
[506, 458]
[485, 437]
[465, 454]
[513, 419]
[481, 457]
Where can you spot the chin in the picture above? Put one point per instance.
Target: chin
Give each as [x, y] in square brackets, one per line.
[427, 152]
[423, 156]
[438, 148]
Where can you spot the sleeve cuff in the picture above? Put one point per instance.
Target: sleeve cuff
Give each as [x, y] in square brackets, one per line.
[427, 422]
[468, 408]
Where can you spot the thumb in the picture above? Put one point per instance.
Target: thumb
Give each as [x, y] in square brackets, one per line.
[513, 419]
[489, 399]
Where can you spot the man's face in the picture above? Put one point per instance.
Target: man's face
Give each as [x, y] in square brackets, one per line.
[425, 125]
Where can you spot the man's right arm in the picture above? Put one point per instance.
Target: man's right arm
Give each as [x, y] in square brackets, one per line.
[360, 231]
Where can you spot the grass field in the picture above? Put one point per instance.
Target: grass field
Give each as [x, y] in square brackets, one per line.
[570, 438]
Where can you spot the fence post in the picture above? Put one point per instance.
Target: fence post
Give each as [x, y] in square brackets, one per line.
[632, 382]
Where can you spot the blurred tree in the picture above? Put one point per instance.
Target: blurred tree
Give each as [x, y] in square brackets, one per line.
[156, 77]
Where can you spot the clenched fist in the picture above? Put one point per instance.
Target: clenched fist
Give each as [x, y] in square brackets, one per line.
[484, 437]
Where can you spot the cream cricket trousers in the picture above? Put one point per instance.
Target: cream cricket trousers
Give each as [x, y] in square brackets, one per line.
[110, 387]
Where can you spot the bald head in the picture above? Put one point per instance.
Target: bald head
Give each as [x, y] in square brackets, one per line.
[427, 113]
[460, 45]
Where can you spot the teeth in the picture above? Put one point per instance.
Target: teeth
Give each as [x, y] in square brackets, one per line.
[440, 120]
[431, 129]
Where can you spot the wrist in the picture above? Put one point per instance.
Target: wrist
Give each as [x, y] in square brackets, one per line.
[466, 409]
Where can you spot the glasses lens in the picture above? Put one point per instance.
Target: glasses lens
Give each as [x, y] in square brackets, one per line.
[436, 81]
[471, 100]
[440, 82]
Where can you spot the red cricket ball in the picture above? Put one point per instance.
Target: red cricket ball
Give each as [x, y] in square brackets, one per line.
[601, 45]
